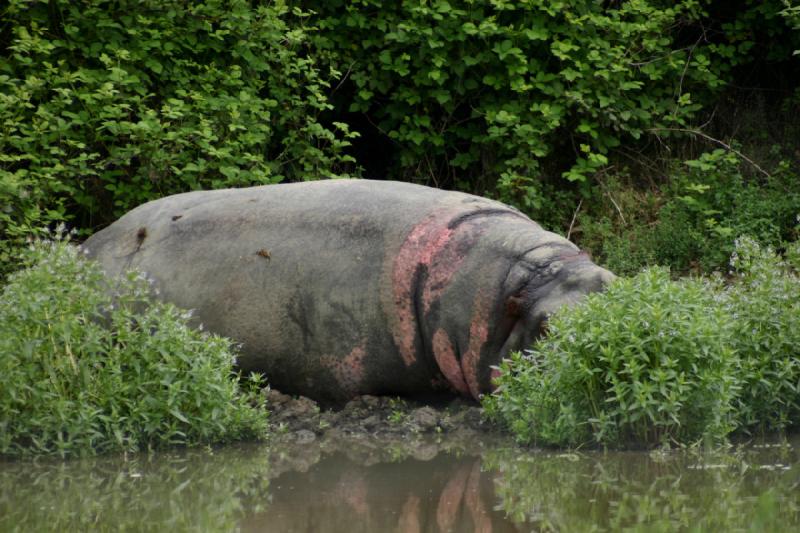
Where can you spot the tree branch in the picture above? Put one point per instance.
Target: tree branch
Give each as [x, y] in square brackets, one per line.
[717, 141]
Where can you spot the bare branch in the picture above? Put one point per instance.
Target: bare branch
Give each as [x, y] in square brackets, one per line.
[574, 216]
[717, 141]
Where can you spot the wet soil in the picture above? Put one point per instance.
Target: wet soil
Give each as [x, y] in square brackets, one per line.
[375, 429]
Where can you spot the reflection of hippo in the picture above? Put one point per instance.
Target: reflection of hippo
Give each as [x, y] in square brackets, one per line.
[338, 288]
[446, 493]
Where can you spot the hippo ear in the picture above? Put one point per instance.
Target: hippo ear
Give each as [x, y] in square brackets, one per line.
[514, 306]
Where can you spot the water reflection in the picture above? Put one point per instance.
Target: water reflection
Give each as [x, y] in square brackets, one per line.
[190, 491]
[446, 493]
[750, 489]
[427, 486]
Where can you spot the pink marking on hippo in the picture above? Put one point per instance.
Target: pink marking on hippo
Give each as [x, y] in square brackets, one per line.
[446, 359]
[478, 335]
[443, 266]
[349, 370]
[495, 374]
[419, 248]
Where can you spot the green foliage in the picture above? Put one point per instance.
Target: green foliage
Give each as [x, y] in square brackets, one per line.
[792, 16]
[105, 105]
[765, 305]
[654, 360]
[644, 363]
[480, 93]
[693, 223]
[84, 372]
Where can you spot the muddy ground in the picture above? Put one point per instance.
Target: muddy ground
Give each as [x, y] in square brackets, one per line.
[372, 429]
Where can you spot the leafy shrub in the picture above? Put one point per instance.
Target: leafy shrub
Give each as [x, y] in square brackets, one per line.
[692, 224]
[653, 359]
[105, 105]
[482, 94]
[765, 305]
[83, 372]
[646, 362]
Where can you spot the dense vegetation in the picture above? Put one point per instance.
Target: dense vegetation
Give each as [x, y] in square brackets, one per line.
[654, 361]
[84, 371]
[650, 132]
[653, 132]
[105, 105]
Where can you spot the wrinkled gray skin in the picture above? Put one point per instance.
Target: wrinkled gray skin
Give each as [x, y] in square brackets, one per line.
[347, 287]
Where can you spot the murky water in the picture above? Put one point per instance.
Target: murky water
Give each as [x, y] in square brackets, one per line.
[432, 486]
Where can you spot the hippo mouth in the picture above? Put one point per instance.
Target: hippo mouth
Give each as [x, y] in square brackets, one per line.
[515, 341]
[468, 375]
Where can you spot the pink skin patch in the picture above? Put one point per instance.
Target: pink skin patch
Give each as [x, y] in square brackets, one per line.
[478, 335]
[422, 244]
[439, 251]
[495, 374]
[348, 371]
[446, 359]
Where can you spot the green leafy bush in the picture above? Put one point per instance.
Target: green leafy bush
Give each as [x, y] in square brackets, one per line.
[84, 372]
[692, 224]
[652, 360]
[479, 94]
[105, 105]
[765, 305]
[644, 363]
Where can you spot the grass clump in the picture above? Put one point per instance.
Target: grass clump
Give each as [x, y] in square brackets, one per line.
[654, 361]
[85, 371]
[645, 362]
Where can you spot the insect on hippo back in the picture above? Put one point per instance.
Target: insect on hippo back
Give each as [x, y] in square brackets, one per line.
[347, 287]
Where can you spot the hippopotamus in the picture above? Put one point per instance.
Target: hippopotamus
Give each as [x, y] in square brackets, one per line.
[339, 288]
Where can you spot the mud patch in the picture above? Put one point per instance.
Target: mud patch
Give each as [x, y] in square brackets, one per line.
[371, 429]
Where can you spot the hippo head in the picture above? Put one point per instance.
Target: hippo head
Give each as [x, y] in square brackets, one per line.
[536, 290]
[569, 280]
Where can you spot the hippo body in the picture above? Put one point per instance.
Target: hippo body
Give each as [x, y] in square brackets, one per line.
[346, 287]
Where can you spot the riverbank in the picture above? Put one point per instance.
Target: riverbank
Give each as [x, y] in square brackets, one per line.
[375, 429]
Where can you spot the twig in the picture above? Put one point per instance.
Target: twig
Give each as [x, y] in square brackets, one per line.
[574, 216]
[344, 78]
[617, 207]
[712, 139]
[608, 193]
[688, 61]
